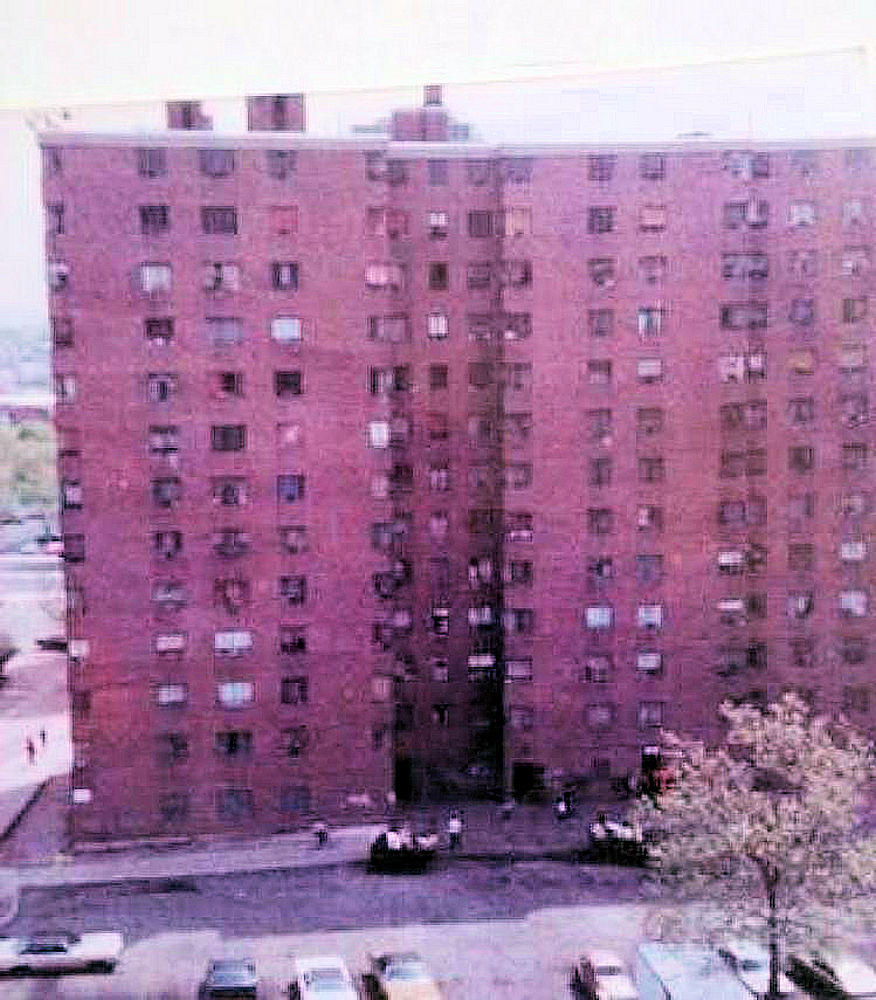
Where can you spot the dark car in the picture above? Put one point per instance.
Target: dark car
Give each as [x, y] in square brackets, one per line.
[230, 979]
[836, 976]
[410, 855]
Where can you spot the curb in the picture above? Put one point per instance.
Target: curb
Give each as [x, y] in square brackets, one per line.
[22, 812]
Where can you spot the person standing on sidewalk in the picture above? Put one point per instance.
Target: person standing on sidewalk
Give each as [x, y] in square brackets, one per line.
[30, 750]
[454, 830]
[42, 737]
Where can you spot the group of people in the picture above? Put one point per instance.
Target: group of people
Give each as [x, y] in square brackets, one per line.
[30, 746]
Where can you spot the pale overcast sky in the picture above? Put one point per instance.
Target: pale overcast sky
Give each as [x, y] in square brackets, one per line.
[632, 69]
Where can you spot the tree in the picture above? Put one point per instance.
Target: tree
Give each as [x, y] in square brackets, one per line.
[762, 837]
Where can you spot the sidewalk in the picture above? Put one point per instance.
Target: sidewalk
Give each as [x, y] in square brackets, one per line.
[531, 832]
[15, 802]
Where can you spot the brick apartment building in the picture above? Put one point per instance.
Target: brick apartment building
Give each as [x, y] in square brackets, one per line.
[390, 460]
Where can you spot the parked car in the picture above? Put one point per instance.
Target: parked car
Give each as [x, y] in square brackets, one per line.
[402, 976]
[600, 975]
[834, 975]
[230, 979]
[402, 851]
[615, 842]
[61, 951]
[53, 643]
[751, 963]
[322, 979]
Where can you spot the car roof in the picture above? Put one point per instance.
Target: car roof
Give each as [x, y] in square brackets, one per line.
[396, 957]
[742, 949]
[320, 962]
[50, 937]
[602, 956]
[230, 971]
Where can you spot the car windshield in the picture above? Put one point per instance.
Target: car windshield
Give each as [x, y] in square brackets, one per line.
[407, 972]
[609, 970]
[231, 973]
[751, 965]
[320, 980]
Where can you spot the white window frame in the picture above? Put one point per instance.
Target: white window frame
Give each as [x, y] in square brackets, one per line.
[235, 694]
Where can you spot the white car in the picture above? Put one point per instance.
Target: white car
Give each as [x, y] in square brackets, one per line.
[61, 952]
[322, 979]
[751, 963]
[600, 975]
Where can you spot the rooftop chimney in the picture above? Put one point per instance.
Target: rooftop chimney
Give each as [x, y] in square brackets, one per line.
[187, 115]
[275, 113]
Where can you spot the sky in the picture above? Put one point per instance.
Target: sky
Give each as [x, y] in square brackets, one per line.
[610, 70]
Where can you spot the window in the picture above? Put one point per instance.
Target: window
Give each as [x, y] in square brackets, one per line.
[55, 219]
[801, 412]
[219, 220]
[295, 740]
[166, 492]
[853, 649]
[652, 166]
[71, 494]
[294, 539]
[649, 370]
[438, 225]
[224, 331]
[234, 803]
[649, 518]
[600, 322]
[167, 544]
[284, 276]
[746, 266]
[512, 222]
[853, 603]
[854, 261]
[293, 589]
[518, 476]
[440, 620]
[800, 605]
[599, 372]
[479, 275]
[651, 321]
[220, 277]
[753, 213]
[517, 169]
[599, 716]
[438, 274]
[161, 388]
[158, 331]
[293, 640]
[600, 520]
[516, 326]
[65, 388]
[853, 214]
[852, 358]
[517, 376]
[650, 713]
[651, 470]
[388, 276]
[521, 719]
[601, 219]
[852, 552]
[742, 367]
[152, 162]
[854, 410]
[519, 621]
[163, 440]
[62, 332]
[480, 374]
[170, 643]
[649, 568]
[479, 172]
[802, 312]
[518, 669]
[172, 747]
[602, 271]
[598, 669]
[155, 279]
[235, 694]
[854, 310]
[229, 491]
[652, 218]
[281, 163]
[744, 316]
[231, 594]
[746, 165]
[480, 224]
[801, 506]
[396, 172]
[228, 384]
[154, 220]
[171, 695]
[803, 263]
[437, 326]
[599, 616]
[853, 504]
[652, 269]
[600, 569]
[804, 162]
[438, 171]
[68, 442]
[438, 377]
[600, 166]
[216, 162]
[802, 653]
[234, 743]
[801, 556]
[232, 643]
[801, 214]
[378, 434]
[600, 426]
[288, 384]
[518, 527]
[439, 478]
[290, 488]
[649, 421]
[854, 457]
[649, 664]
[228, 437]
[649, 616]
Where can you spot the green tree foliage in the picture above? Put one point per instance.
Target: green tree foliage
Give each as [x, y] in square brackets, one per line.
[760, 838]
[27, 467]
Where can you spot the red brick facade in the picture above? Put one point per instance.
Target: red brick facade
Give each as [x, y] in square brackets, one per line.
[550, 447]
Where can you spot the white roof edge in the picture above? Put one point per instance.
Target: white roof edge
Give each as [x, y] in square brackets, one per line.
[293, 140]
